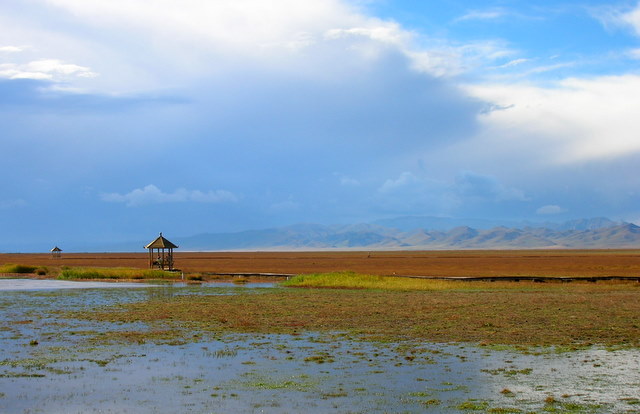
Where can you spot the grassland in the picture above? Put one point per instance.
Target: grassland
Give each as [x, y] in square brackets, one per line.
[117, 273]
[570, 263]
[362, 301]
[353, 280]
[528, 314]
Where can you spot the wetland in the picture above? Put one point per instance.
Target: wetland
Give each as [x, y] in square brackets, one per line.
[217, 348]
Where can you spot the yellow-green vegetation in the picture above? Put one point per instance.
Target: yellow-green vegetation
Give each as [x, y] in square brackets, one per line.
[566, 315]
[23, 269]
[113, 273]
[352, 280]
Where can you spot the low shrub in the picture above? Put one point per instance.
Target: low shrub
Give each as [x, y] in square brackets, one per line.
[42, 271]
[17, 268]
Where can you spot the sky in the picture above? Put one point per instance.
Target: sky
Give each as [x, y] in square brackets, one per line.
[124, 118]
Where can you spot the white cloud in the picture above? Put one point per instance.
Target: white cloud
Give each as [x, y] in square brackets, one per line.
[491, 14]
[512, 63]
[151, 194]
[238, 26]
[634, 54]
[629, 18]
[575, 120]
[389, 33]
[11, 49]
[550, 209]
[406, 179]
[179, 39]
[45, 69]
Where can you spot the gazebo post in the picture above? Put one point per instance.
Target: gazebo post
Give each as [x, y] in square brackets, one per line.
[56, 252]
[161, 253]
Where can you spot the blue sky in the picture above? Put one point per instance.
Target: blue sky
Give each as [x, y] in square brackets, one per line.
[123, 118]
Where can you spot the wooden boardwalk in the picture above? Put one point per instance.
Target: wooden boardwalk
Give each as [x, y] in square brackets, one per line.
[537, 279]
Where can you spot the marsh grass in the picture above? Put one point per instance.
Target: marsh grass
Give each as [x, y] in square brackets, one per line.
[353, 280]
[113, 273]
[571, 316]
[18, 268]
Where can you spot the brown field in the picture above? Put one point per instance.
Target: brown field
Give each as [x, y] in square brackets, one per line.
[571, 263]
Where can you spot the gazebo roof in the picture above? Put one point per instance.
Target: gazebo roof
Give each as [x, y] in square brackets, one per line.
[160, 243]
[56, 249]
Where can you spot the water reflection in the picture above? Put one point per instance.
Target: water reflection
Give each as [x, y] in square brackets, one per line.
[52, 364]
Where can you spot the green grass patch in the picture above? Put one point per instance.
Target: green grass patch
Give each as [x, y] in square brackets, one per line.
[352, 280]
[17, 268]
[113, 273]
[473, 405]
[571, 408]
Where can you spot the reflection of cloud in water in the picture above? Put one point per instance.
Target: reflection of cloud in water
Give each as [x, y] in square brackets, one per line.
[588, 377]
[312, 373]
[31, 284]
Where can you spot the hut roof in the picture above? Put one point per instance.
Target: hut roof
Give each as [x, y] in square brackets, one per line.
[56, 249]
[160, 243]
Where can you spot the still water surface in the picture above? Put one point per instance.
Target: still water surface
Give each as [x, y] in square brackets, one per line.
[50, 364]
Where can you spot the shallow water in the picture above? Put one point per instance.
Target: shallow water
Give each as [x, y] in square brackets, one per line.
[48, 284]
[54, 365]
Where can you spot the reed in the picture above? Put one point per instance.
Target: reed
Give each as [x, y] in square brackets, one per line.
[113, 273]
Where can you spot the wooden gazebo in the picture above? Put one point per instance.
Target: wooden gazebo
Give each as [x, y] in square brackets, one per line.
[56, 252]
[161, 253]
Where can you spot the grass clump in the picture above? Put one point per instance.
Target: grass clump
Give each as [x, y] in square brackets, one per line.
[17, 268]
[352, 280]
[113, 273]
[473, 405]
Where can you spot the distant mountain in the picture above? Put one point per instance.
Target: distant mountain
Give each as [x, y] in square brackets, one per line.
[581, 224]
[409, 223]
[586, 233]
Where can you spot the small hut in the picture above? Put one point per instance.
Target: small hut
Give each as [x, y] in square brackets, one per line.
[161, 253]
[56, 252]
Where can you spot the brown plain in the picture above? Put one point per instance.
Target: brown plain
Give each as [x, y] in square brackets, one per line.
[574, 263]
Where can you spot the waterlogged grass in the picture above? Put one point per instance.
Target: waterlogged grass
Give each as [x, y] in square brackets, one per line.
[352, 280]
[119, 342]
[570, 407]
[113, 273]
[568, 316]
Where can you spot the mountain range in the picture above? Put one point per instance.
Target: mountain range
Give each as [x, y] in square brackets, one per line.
[426, 233]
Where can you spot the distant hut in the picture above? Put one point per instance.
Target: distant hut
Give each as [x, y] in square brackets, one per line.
[56, 252]
[161, 253]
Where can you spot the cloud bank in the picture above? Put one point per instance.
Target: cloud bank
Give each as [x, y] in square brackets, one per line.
[312, 111]
[151, 194]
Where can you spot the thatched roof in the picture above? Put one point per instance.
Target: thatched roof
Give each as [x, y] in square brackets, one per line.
[56, 249]
[161, 243]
